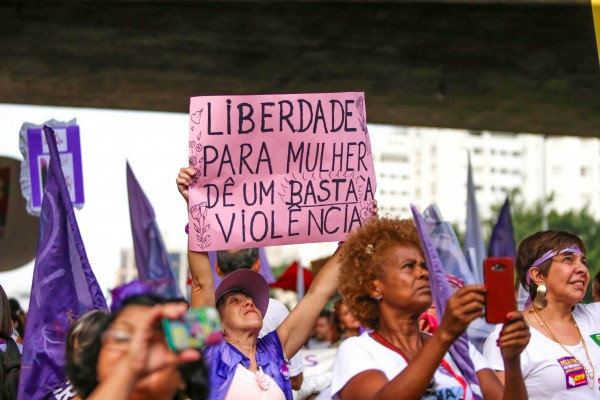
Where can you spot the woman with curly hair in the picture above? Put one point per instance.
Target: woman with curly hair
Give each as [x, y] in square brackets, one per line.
[386, 286]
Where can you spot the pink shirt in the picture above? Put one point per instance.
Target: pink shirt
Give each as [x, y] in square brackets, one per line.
[253, 386]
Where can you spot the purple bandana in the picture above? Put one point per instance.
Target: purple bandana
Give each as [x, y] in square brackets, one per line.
[545, 257]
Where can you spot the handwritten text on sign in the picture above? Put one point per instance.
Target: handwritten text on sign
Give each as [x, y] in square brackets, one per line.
[278, 169]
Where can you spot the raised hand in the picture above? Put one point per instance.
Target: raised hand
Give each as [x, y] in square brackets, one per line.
[462, 308]
[184, 180]
[514, 336]
[145, 354]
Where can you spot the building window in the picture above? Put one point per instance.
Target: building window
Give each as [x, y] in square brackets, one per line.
[556, 170]
[389, 157]
[585, 171]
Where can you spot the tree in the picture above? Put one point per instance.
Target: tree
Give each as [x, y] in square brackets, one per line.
[528, 220]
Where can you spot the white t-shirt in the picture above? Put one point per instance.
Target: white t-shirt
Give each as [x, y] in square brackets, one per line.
[275, 315]
[362, 353]
[551, 373]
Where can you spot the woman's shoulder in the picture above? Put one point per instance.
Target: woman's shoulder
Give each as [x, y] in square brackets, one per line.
[588, 316]
[587, 311]
[588, 308]
[362, 343]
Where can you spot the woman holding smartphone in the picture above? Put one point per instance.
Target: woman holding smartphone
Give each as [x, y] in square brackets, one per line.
[128, 358]
[245, 366]
[386, 286]
[562, 361]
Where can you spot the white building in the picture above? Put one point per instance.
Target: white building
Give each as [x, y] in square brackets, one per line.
[127, 270]
[429, 165]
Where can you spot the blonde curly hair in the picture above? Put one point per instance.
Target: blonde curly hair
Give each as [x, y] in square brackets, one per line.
[362, 258]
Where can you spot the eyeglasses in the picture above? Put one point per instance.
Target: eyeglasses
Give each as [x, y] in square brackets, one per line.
[116, 339]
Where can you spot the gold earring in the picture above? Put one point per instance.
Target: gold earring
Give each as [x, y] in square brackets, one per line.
[540, 300]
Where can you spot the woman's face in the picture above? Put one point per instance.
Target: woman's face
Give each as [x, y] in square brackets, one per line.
[567, 279]
[161, 384]
[405, 282]
[238, 313]
[347, 320]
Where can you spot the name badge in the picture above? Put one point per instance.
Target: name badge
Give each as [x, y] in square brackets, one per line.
[574, 372]
[596, 338]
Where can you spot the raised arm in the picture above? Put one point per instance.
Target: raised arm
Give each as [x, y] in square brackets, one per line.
[297, 327]
[512, 341]
[203, 291]
[411, 383]
[295, 330]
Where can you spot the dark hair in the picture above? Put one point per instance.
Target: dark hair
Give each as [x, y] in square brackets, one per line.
[82, 367]
[337, 312]
[195, 376]
[81, 335]
[534, 246]
[229, 261]
[597, 280]
[15, 306]
[5, 317]
[18, 316]
[85, 380]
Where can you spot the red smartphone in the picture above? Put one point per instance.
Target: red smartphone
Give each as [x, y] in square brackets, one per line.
[499, 277]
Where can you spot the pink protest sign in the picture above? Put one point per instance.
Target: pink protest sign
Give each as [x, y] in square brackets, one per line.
[278, 169]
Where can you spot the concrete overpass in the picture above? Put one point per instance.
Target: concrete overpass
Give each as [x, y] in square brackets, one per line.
[510, 66]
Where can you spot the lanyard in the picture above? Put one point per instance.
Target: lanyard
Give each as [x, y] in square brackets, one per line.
[381, 340]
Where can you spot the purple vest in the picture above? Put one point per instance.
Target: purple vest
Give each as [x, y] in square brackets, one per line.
[222, 360]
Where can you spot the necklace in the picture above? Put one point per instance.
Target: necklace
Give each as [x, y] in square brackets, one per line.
[590, 374]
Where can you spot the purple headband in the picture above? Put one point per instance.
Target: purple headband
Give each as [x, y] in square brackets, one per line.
[545, 257]
[120, 293]
[548, 255]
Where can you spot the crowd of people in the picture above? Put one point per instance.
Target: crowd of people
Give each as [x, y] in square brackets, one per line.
[389, 340]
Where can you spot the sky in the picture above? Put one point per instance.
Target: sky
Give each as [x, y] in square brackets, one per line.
[156, 145]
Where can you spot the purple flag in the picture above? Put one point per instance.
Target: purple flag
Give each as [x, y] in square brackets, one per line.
[474, 244]
[151, 257]
[440, 289]
[454, 262]
[446, 243]
[502, 242]
[265, 266]
[63, 288]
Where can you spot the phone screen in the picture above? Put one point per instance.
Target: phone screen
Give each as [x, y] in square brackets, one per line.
[199, 327]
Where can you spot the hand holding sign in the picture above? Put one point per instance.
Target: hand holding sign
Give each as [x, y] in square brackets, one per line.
[278, 169]
[184, 180]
